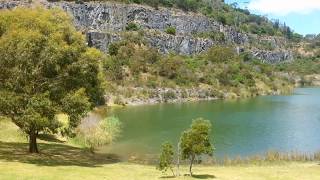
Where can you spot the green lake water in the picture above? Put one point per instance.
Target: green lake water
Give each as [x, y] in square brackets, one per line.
[240, 127]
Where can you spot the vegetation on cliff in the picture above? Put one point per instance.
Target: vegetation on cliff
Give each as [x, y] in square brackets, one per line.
[132, 63]
[305, 66]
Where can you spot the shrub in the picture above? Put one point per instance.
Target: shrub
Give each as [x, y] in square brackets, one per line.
[167, 3]
[220, 54]
[113, 49]
[118, 100]
[170, 65]
[131, 26]
[188, 5]
[171, 30]
[114, 69]
[94, 132]
[166, 158]
[169, 95]
[247, 57]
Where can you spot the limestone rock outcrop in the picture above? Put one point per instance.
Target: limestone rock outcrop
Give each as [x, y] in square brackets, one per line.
[104, 22]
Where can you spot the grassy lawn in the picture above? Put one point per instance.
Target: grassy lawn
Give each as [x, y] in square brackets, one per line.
[62, 161]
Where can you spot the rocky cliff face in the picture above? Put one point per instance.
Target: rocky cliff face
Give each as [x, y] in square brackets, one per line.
[104, 22]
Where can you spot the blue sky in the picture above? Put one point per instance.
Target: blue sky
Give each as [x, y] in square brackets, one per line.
[303, 16]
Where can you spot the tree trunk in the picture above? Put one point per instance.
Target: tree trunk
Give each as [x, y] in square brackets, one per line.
[178, 160]
[191, 162]
[33, 147]
[172, 172]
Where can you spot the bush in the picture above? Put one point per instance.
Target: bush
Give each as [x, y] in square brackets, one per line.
[188, 5]
[166, 157]
[94, 132]
[113, 49]
[118, 100]
[131, 26]
[169, 95]
[171, 30]
[114, 69]
[167, 3]
[247, 57]
[170, 65]
[220, 54]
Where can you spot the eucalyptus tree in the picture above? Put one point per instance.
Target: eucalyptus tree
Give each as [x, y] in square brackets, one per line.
[46, 68]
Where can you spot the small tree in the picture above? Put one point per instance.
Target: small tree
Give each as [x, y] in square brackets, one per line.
[94, 132]
[166, 157]
[195, 141]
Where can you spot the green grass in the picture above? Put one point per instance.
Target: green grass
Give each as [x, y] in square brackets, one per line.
[59, 160]
[10, 132]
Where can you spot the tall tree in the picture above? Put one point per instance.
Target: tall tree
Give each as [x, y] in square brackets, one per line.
[195, 141]
[46, 69]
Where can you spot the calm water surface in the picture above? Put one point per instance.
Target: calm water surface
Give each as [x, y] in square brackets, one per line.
[240, 127]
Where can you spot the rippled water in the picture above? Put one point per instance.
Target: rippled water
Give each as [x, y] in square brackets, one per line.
[240, 127]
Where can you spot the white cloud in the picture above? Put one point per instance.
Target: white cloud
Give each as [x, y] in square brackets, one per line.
[284, 7]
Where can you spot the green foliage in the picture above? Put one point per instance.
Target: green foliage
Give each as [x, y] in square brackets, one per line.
[214, 35]
[313, 42]
[167, 3]
[94, 132]
[169, 95]
[113, 48]
[130, 53]
[76, 105]
[114, 69]
[220, 67]
[301, 66]
[118, 100]
[166, 158]
[171, 30]
[195, 141]
[243, 20]
[169, 66]
[297, 37]
[132, 27]
[220, 54]
[188, 5]
[46, 69]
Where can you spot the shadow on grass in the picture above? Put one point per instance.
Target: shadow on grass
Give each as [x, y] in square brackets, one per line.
[203, 176]
[49, 138]
[167, 177]
[54, 155]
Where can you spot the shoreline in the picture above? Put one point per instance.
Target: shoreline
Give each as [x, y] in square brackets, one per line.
[267, 158]
[134, 101]
[180, 95]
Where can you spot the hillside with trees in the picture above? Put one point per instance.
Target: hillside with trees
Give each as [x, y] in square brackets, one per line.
[68, 67]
